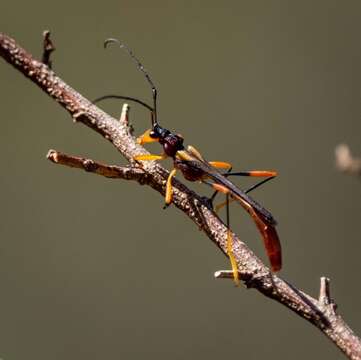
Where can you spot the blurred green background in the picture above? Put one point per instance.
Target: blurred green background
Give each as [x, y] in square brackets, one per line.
[92, 268]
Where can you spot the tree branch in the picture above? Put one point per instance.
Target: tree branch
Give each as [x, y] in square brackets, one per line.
[345, 162]
[251, 269]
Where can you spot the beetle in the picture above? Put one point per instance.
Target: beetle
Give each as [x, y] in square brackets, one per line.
[194, 167]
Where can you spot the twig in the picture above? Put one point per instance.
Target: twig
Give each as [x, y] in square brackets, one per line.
[109, 171]
[48, 48]
[325, 299]
[251, 269]
[345, 162]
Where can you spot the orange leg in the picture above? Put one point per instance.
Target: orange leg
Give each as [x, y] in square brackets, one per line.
[268, 232]
[192, 150]
[220, 164]
[269, 235]
[230, 253]
[149, 157]
[169, 188]
[221, 205]
[232, 259]
[256, 173]
[146, 138]
[217, 164]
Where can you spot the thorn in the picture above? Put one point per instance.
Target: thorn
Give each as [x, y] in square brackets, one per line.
[48, 48]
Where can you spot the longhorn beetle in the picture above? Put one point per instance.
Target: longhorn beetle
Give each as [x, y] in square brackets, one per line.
[194, 167]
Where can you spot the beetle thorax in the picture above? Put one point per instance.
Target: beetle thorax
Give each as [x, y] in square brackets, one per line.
[171, 143]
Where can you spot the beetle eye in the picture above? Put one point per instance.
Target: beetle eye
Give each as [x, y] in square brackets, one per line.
[153, 134]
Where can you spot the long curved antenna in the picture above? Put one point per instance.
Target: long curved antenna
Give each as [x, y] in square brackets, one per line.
[143, 70]
[106, 97]
[258, 184]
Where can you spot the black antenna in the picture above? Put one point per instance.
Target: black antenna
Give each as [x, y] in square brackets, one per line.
[147, 76]
[106, 97]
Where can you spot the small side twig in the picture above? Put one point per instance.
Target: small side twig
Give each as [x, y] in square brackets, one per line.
[109, 171]
[346, 162]
[48, 48]
[324, 298]
[224, 274]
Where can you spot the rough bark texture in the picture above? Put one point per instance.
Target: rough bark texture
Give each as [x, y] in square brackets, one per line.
[320, 312]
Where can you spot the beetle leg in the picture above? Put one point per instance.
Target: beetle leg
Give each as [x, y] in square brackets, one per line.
[230, 254]
[146, 138]
[269, 235]
[256, 173]
[192, 150]
[216, 192]
[232, 259]
[169, 188]
[150, 157]
[220, 164]
[253, 187]
[221, 205]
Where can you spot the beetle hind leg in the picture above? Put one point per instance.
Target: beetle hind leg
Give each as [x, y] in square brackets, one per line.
[230, 253]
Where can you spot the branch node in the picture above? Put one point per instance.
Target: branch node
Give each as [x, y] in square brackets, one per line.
[89, 165]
